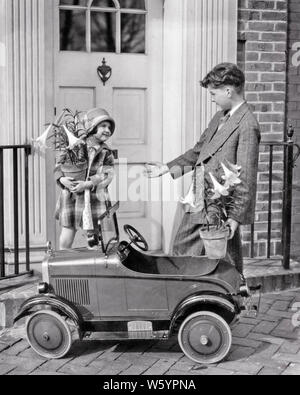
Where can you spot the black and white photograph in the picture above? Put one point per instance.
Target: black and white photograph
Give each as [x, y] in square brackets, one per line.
[149, 190]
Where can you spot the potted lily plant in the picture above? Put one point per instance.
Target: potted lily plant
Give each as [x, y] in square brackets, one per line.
[67, 136]
[215, 202]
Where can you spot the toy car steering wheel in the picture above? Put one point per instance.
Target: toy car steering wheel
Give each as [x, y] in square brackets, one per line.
[136, 238]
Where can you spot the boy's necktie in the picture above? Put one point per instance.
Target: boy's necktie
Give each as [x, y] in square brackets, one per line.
[223, 120]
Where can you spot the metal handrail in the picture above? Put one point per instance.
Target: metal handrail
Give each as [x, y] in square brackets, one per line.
[290, 159]
[27, 153]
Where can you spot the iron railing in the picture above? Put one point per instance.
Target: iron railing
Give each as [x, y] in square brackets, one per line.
[290, 158]
[15, 153]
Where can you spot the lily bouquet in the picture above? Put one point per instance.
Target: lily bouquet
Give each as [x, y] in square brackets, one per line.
[67, 136]
[213, 201]
[216, 194]
[214, 204]
[218, 199]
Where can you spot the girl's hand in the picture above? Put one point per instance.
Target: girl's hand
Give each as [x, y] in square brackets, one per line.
[68, 182]
[81, 186]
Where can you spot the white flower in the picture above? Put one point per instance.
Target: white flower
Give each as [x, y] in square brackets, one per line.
[235, 168]
[41, 141]
[218, 189]
[231, 178]
[73, 141]
[189, 198]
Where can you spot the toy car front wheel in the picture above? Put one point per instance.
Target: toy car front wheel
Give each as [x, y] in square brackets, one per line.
[48, 334]
[205, 337]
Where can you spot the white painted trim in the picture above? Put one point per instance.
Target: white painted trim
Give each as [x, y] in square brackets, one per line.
[198, 34]
[172, 109]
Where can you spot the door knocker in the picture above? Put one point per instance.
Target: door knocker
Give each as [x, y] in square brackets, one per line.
[104, 72]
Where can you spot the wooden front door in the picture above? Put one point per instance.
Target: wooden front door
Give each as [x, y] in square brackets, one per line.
[127, 35]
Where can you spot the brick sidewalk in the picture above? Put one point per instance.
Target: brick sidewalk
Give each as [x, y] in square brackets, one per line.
[265, 345]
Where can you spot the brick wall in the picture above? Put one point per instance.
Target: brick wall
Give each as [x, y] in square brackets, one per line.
[293, 113]
[261, 53]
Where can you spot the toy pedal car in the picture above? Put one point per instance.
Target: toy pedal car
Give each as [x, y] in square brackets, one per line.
[123, 293]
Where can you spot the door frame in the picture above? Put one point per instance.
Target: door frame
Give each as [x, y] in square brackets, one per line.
[51, 41]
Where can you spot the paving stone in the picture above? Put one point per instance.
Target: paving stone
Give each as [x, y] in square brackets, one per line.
[43, 373]
[31, 354]
[266, 350]
[174, 372]
[292, 370]
[285, 325]
[241, 353]
[287, 357]
[242, 330]
[281, 305]
[215, 371]
[133, 370]
[266, 317]
[246, 342]
[241, 366]
[145, 361]
[174, 356]
[266, 338]
[160, 367]
[26, 364]
[17, 348]
[271, 363]
[290, 347]
[269, 372]
[71, 369]
[285, 334]
[5, 368]
[183, 366]
[265, 327]
[3, 346]
[54, 364]
[280, 314]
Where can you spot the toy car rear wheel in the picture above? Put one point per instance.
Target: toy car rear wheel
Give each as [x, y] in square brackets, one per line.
[48, 334]
[205, 337]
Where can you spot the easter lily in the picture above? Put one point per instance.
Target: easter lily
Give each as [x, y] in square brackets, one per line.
[73, 141]
[42, 140]
[189, 198]
[231, 178]
[218, 189]
[235, 168]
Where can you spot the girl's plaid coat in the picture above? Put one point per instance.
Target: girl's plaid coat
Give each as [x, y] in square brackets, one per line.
[70, 206]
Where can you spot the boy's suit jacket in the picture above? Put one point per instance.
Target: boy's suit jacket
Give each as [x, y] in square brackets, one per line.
[238, 142]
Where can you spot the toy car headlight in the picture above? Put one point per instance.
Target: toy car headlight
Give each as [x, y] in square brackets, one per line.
[43, 288]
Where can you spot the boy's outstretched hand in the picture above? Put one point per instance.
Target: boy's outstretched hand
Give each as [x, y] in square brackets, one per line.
[155, 169]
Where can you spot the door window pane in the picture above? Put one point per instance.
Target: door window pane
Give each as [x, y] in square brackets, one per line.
[134, 4]
[72, 30]
[103, 32]
[83, 3]
[133, 37]
[103, 3]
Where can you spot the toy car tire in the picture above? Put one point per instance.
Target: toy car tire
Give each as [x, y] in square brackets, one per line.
[48, 334]
[205, 337]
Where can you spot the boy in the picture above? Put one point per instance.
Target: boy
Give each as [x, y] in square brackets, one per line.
[233, 135]
[77, 196]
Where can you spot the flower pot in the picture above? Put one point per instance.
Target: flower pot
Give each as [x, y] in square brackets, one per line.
[215, 242]
[75, 171]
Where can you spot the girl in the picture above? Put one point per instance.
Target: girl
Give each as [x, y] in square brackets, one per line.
[81, 203]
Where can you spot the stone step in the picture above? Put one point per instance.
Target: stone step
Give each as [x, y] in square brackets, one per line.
[270, 274]
[13, 292]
